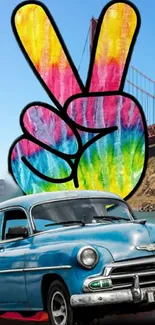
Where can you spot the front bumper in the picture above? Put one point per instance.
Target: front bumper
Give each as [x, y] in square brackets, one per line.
[133, 295]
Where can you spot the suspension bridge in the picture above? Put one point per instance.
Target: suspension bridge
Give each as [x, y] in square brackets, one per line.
[143, 88]
[140, 86]
[137, 84]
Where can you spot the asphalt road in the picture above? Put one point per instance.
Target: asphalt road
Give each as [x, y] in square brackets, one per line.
[119, 320]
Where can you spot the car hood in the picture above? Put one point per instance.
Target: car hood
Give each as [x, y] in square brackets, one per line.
[119, 239]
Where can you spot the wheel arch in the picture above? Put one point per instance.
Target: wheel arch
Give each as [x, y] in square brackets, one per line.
[45, 285]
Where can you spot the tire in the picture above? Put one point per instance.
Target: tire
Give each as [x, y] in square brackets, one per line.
[58, 302]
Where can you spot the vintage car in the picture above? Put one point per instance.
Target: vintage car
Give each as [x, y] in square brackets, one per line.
[78, 255]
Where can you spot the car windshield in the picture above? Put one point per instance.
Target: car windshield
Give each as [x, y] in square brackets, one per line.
[80, 211]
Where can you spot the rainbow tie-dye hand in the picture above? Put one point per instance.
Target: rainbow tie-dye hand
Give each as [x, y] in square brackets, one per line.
[96, 137]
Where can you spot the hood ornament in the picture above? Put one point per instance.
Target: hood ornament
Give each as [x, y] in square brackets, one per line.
[149, 248]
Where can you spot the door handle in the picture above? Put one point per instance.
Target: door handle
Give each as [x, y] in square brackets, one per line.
[1, 248]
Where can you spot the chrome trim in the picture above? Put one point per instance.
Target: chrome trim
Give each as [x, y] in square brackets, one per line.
[11, 271]
[59, 267]
[129, 285]
[2, 220]
[107, 274]
[109, 267]
[13, 207]
[112, 266]
[148, 282]
[149, 248]
[79, 256]
[11, 240]
[53, 230]
[129, 275]
[102, 298]
[31, 218]
[123, 286]
[113, 297]
[107, 270]
[136, 290]
[88, 281]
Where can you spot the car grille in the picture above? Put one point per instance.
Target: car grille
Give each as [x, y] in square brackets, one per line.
[122, 273]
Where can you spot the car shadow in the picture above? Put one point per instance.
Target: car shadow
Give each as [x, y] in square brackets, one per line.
[114, 320]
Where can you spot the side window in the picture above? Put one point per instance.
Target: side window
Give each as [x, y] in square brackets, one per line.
[13, 218]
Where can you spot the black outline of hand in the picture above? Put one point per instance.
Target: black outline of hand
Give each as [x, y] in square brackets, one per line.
[62, 110]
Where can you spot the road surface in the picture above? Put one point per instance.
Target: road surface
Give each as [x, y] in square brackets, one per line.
[143, 318]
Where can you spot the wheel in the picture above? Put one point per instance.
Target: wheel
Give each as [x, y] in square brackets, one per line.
[58, 305]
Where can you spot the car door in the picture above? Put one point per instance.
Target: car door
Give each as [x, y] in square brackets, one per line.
[12, 251]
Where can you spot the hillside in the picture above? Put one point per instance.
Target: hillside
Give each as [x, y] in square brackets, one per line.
[144, 198]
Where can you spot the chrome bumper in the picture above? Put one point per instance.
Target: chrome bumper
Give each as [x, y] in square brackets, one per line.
[134, 295]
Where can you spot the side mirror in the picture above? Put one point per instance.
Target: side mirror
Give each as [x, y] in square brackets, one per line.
[17, 232]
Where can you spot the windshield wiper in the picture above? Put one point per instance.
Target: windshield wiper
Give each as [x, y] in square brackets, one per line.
[111, 218]
[65, 223]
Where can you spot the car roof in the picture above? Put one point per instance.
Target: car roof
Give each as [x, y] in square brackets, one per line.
[27, 201]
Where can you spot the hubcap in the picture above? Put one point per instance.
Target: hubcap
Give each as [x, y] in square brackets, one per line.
[59, 308]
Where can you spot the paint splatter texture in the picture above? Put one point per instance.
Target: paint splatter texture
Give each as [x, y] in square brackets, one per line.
[44, 49]
[96, 137]
[116, 32]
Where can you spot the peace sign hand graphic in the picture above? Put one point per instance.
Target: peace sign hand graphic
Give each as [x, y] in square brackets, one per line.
[96, 135]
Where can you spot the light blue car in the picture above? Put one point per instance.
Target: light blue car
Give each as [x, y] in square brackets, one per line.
[78, 255]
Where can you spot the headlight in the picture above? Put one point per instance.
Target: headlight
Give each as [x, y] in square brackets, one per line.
[87, 257]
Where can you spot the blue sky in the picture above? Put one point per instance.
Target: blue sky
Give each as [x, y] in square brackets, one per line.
[19, 86]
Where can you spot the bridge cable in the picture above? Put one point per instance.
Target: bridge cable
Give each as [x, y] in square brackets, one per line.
[84, 49]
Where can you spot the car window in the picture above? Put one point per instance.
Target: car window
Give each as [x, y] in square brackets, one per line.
[15, 223]
[40, 224]
[117, 210]
[14, 218]
[86, 210]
